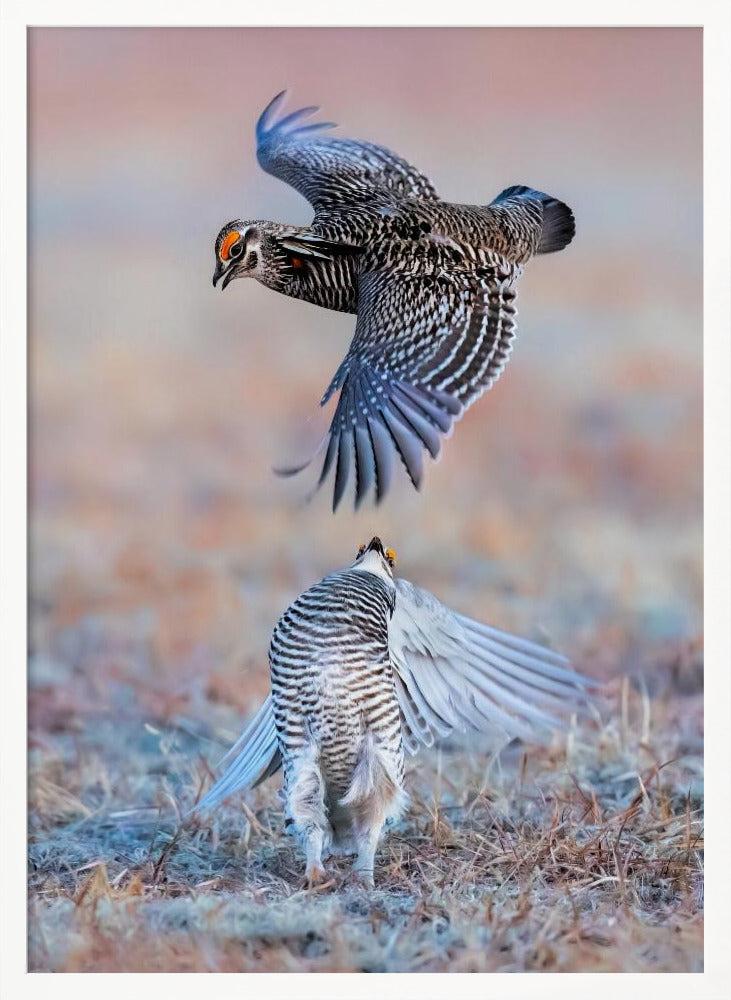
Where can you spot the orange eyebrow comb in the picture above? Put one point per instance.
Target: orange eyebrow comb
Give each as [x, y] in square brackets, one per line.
[232, 238]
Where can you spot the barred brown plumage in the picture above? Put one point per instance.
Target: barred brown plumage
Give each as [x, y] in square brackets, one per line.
[364, 667]
[432, 283]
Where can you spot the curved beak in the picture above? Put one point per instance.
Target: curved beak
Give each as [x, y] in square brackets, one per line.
[217, 274]
[227, 273]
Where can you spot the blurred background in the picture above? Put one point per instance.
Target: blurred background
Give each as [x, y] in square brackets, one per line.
[566, 507]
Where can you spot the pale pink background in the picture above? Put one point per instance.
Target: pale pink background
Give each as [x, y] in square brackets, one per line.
[568, 502]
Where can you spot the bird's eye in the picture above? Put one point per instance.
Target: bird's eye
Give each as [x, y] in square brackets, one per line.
[391, 557]
[236, 250]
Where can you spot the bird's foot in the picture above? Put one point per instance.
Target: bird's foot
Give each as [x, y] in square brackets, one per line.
[317, 879]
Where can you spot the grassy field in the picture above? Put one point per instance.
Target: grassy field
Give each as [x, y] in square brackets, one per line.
[586, 855]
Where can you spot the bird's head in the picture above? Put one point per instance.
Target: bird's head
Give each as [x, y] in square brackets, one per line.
[247, 250]
[375, 559]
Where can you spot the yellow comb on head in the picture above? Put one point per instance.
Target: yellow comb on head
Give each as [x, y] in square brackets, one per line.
[391, 556]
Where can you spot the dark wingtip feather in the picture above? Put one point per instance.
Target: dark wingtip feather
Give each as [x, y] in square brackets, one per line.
[383, 453]
[408, 446]
[342, 470]
[329, 458]
[262, 124]
[269, 128]
[314, 127]
[426, 431]
[364, 464]
[424, 402]
[295, 116]
[380, 419]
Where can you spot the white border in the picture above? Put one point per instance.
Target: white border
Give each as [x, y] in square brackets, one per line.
[15, 16]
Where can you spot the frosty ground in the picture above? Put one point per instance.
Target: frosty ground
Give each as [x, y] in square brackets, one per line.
[586, 855]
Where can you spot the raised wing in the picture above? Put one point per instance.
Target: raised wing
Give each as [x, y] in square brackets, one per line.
[253, 757]
[424, 350]
[453, 673]
[329, 171]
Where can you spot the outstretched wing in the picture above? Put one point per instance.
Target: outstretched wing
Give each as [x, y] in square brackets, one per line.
[329, 171]
[424, 350]
[453, 673]
[253, 757]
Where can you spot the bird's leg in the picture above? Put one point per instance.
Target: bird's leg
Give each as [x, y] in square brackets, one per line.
[306, 808]
[374, 794]
[314, 870]
[366, 839]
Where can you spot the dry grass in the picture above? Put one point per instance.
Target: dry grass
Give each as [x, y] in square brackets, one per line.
[583, 856]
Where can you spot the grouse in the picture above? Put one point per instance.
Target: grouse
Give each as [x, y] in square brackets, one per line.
[432, 284]
[365, 666]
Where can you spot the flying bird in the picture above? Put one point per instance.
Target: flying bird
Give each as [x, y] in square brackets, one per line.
[366, 667]
[432, 284]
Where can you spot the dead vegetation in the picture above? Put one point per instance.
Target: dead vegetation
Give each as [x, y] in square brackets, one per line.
[583, 856]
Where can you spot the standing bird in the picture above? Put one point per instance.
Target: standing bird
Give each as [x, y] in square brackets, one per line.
[363, 667]
[432, 284]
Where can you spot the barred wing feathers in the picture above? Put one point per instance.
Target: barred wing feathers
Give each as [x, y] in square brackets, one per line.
[456, 674]
[330, 171]
[423, 352]
[451, 673]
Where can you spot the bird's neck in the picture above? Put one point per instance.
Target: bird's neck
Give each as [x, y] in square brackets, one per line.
[330, 282]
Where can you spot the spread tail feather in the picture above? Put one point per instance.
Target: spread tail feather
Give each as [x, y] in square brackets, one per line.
[559, 226]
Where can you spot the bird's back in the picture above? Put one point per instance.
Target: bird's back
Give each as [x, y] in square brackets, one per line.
[331, 674]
